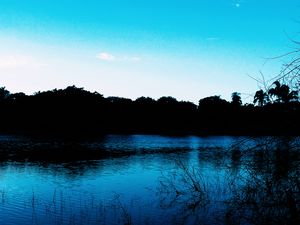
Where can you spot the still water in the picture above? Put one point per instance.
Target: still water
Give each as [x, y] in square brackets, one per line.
[164, 180]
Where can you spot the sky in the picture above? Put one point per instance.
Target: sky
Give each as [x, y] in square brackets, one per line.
[188, 49]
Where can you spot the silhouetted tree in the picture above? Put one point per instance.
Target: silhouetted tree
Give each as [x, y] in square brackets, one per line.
[212, 102]
[167, 100]
[290, 96]
[236, 99]
[74, 110]
[214, 111]
[17, 96]
[261, 98]
[4, 93]
[283, 93]
[276, 91]
[145, 101]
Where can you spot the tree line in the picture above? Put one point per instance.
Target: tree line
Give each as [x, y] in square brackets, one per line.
[76, 111]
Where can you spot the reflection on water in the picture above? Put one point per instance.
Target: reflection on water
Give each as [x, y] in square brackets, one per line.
[164, 180]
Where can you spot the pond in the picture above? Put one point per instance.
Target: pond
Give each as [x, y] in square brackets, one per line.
[158, 180]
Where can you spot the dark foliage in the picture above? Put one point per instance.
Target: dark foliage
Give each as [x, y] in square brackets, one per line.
[74, 111]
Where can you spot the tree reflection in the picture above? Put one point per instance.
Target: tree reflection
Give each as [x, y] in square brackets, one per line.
[269, 189]
[261, 186]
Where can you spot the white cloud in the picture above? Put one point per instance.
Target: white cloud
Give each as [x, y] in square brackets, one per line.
[18, 61]
[104, 56]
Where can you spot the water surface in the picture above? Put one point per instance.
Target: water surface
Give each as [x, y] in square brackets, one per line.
[164, 180]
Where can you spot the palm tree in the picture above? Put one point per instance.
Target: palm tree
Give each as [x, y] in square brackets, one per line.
[276, 91]
[236, 99]
[293, 95]
[283, 93]
[261, 98]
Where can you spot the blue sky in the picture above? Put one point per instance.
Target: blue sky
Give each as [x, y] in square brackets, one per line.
[185, 48]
